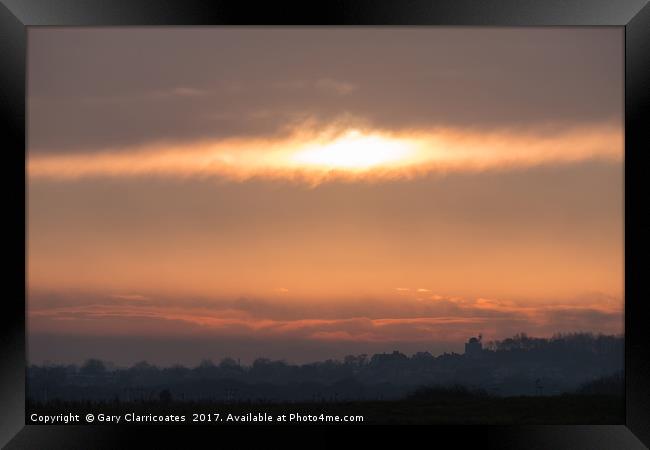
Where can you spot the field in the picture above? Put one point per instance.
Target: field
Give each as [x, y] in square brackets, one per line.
[446, 409]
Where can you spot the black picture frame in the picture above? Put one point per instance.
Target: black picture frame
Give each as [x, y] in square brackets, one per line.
[633, 15]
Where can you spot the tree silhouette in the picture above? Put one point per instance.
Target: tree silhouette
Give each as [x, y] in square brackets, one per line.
[165, 396]
[93, 367]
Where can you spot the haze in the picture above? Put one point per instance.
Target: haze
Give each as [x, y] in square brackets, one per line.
[308, 193]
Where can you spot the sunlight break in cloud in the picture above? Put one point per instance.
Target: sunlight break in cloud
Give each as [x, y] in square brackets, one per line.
[344, 154]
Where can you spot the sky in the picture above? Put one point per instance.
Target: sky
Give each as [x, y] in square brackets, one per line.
[307, 193]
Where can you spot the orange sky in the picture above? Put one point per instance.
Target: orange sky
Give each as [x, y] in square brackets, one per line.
[324, 220]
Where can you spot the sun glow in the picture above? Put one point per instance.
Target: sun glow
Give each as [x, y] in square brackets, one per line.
[352, 154]
[355, 151]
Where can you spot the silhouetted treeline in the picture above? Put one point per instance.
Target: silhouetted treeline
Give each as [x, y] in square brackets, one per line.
[613, 385]
[520, 365]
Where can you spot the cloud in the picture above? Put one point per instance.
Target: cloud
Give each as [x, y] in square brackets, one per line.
[336, 86]
[187, 92]
[449, 319]
[151, 86]
[133, 297]
[327, 85]
[330, 153]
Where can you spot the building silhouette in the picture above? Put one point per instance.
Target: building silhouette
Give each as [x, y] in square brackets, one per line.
[473, 347]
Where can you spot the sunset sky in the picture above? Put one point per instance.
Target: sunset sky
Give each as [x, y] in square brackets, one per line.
[308, 193]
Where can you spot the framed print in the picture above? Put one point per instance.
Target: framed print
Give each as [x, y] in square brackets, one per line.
[334, 215]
